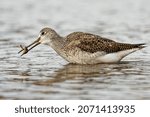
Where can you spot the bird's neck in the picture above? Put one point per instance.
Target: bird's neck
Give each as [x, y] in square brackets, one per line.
[57, 44]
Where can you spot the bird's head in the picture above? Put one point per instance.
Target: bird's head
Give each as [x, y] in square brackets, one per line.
[46, 36]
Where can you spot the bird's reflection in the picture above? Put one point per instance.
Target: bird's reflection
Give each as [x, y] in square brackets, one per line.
[73, 71]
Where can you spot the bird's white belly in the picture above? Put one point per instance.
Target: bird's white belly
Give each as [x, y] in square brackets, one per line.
[81, 57]
[109, 58]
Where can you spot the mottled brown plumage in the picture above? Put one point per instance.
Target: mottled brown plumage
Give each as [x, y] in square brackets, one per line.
[94, 43]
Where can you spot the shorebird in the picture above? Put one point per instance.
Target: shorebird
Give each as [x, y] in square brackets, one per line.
[83, 48]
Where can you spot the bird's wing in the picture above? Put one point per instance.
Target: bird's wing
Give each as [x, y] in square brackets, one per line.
[94, 43]
[81, 35]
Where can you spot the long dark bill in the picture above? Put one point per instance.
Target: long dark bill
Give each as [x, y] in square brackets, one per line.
[26, 49]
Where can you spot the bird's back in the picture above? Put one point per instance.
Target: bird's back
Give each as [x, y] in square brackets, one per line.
[94, 43]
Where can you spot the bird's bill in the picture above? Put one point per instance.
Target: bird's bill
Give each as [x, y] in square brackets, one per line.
[26, 49]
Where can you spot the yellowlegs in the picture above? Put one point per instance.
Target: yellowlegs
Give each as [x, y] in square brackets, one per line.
[83, 48]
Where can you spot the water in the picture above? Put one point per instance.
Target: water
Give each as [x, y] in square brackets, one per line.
[42, 74]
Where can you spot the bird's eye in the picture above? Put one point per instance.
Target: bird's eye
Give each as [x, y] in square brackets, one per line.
[42, 33]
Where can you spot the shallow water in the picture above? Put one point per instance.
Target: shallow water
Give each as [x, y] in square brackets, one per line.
[42, 74]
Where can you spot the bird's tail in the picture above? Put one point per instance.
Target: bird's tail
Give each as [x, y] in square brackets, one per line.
[130, 48]
[125, 46]
[140, 46]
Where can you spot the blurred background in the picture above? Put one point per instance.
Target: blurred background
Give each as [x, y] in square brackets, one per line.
[42, 74]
